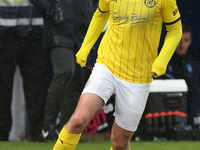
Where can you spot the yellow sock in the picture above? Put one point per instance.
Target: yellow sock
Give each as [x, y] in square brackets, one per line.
[66, 140]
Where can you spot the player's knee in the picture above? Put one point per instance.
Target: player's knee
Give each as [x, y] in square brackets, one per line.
[78, 121]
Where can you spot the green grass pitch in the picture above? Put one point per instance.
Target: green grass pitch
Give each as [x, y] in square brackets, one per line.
[168, 145]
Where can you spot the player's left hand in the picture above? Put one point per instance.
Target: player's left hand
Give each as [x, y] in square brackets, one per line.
[153, 74]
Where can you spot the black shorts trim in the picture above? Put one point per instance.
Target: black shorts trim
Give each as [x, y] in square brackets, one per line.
[101, 10]
[173, 21]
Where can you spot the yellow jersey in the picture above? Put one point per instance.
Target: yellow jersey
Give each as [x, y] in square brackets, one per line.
[130, 44]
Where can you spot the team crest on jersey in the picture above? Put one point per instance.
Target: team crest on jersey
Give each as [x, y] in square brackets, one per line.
[150, 3]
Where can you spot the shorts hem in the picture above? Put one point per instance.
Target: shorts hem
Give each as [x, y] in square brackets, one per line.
[132, 129]
[104, 99]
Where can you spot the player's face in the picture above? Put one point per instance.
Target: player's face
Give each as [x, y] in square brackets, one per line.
[184, 44]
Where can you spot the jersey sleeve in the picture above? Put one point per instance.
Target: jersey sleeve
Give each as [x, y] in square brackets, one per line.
[174, 34]
[170, 12]
[95, 28]
[103, 6]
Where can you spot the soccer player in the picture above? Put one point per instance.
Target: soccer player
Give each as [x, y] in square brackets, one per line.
[126, 64]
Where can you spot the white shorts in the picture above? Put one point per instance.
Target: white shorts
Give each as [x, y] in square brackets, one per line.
[130, 98]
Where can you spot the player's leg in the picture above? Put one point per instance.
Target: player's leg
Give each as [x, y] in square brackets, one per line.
[97, 91]
[87, 107]
[120, 138]
[130, 102]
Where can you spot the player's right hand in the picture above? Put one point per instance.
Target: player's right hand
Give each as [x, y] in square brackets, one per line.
[81, 58]
[153, 74]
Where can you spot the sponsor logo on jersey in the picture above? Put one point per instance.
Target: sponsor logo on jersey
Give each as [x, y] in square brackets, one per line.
[150, 3]
[133, 19]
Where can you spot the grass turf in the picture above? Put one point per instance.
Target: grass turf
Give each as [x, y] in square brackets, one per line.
[169, 145]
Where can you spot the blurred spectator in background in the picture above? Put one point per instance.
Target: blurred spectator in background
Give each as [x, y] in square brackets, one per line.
[59, 42]
[190, 12]
[65, 24]
[21, 44]
[83, 10]
[183, 65]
